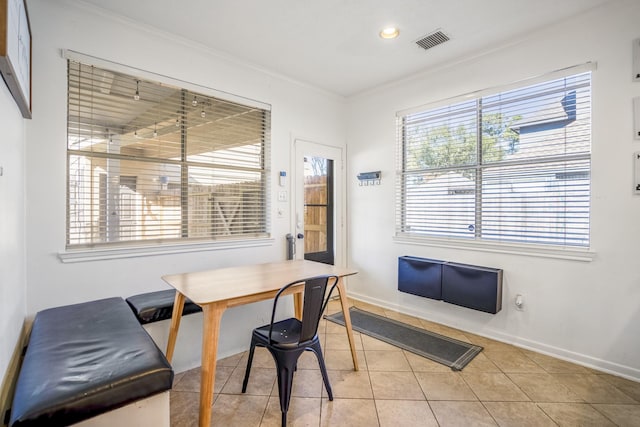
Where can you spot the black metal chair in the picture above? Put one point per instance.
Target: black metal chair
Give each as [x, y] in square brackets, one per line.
[287, 339]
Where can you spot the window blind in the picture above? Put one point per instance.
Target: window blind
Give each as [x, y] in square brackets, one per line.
[152, 163]
[510, 166]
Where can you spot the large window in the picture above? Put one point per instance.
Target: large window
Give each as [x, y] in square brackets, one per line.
[512, 166]
[154, 163]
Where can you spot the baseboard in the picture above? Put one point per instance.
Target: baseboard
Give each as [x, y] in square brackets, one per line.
[11, 375]
[539, 347]
[570, 356]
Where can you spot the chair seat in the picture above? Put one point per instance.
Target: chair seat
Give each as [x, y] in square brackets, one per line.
[285, 333]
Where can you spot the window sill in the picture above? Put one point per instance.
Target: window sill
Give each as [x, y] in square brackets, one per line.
[543, 251]
[85, 255]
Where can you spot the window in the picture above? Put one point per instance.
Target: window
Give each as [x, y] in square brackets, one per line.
[512, 166]
[153, 163]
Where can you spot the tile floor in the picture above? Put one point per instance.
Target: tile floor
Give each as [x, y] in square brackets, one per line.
[502, 386]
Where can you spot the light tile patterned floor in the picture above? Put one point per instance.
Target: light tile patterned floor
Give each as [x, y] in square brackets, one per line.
[502, 386]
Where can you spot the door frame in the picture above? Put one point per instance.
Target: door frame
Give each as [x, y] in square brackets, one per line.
[300, 148]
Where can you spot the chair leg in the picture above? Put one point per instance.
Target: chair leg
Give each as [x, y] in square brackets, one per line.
[249, 362]
[286, 363]
[285, 382]
[315, 347]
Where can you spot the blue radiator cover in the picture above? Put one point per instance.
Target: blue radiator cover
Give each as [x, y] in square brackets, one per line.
[472, 286]
[420, 276]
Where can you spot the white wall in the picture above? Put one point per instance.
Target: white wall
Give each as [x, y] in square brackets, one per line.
[585, 311]
[582, 311]
[12, 239]
[296, 110]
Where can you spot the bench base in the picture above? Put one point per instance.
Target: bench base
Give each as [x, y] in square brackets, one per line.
[149, 412]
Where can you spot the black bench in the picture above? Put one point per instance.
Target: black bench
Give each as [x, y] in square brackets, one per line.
[155, 306]
[83, 360]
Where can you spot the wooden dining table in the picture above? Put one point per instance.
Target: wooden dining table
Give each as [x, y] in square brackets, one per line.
[222, 288]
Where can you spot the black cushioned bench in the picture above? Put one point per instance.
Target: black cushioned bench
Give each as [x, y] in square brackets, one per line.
[83, 360]
[155, 306]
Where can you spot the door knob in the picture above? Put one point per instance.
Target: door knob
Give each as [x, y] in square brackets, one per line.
[300, 236]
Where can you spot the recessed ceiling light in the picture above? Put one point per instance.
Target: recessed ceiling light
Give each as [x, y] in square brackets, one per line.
[389, 33]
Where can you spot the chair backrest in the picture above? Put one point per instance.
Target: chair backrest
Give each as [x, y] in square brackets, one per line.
[316, 298]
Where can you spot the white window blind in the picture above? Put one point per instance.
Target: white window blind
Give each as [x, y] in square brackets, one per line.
[512, 166]
[154, 163]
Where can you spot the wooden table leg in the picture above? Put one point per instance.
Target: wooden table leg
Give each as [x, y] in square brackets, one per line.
[297, 305]
[347, 321]
[210, 334]
[176, 316]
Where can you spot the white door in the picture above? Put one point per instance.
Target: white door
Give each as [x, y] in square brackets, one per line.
[318, 202]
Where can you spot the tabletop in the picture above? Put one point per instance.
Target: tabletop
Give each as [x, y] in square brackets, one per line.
[222, 284]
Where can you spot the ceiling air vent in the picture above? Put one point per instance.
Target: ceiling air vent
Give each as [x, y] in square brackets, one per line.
[432, 40]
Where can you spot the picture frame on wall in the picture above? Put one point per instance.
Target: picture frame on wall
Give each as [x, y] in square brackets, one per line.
[15, 52]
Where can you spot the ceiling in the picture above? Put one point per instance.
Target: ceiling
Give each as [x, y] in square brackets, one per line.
[334, 44]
